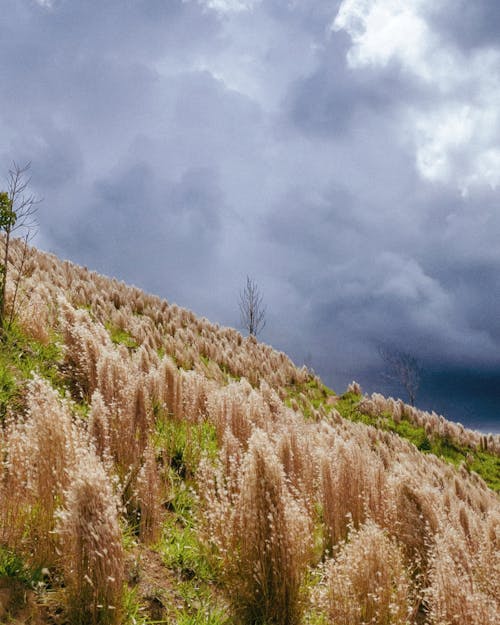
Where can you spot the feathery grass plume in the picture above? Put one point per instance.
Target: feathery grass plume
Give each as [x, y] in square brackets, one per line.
[354, 388]
[91, 548]
[84, 341]
[172, 387]
[148, 498]
[41, 449]
[352, 486]
[98, 425]
[123, 388]
[367, 582]
[194, 392]
[34, 318]
[415, 521]
[240, 408]
[266, 545]
[141, 415]
[434, 425]
[459, 593]
[295, 443]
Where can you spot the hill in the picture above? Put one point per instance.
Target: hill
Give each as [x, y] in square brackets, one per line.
[158, 468]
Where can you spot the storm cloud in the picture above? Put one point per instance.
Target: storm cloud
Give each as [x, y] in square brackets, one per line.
[346, 155]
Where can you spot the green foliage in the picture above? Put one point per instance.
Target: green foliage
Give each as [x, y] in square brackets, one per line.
[184, 444]
[204, 615]
[309, 396]
[8, 387]
[20, 357]
[488, 467]
[132, 608]
[184, 553]
[119, 336]
[313, 394]
[348, 406]
[8, 216]
[13, 566]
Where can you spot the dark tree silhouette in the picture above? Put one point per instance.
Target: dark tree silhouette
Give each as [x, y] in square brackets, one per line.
[403, 368]
[252, 311]
[17, 213]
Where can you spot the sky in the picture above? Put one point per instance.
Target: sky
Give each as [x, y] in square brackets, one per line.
[343, 154]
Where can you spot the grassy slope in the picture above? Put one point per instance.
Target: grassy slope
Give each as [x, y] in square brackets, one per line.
[174, 580]
[316, 396]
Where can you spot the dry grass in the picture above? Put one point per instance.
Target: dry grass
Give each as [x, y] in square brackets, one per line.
[264, 542]
[40, 450]
[463, 587]
[283, 490]
[367, 582]
[90, 541]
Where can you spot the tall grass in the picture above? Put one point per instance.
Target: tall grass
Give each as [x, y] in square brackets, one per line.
[459, 591]
[40, 449]
[367, 582]
[90, 539]
[278, 487]
[265, 544]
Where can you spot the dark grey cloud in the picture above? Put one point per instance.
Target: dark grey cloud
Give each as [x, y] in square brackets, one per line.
[183, 144]
[468, 25]
[135, 220]
[329, 100]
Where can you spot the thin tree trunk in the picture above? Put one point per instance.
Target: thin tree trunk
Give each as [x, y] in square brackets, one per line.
[18, 281]
[4, 280]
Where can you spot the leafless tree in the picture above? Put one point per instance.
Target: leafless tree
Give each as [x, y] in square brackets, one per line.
[403, 368]
[18, 207]
[253, 313]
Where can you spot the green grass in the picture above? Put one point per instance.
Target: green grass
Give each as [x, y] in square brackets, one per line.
[132, 608]
[20, 357]
[487, 465]
[184, 444]
[206, 614]
[12, 566]
[313, 394]
[119, 336]
[183, 552]
[181, 546]
[309, 396]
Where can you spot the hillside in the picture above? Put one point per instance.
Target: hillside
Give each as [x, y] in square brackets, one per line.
[158, 468]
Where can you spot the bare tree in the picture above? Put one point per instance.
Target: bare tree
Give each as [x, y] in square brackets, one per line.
[252, 311]
[17, 213]
[403, 368]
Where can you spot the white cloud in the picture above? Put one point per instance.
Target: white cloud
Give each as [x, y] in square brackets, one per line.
[385, 29]
[230, 6]
[459, 142]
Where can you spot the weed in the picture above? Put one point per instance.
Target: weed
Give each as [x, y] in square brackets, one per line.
[13, 566]
[183, 552]
[183, 444]
[20, 357]
[119, 336]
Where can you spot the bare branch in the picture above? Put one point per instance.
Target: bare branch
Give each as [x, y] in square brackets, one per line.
[252, 311]
[24, 205]
[404, 369]
[17, 212]
[20, 273]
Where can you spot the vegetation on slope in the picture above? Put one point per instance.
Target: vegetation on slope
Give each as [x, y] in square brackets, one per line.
[422, 431]
[161, 469]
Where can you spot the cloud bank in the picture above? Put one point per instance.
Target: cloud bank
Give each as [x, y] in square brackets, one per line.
[344, 154]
